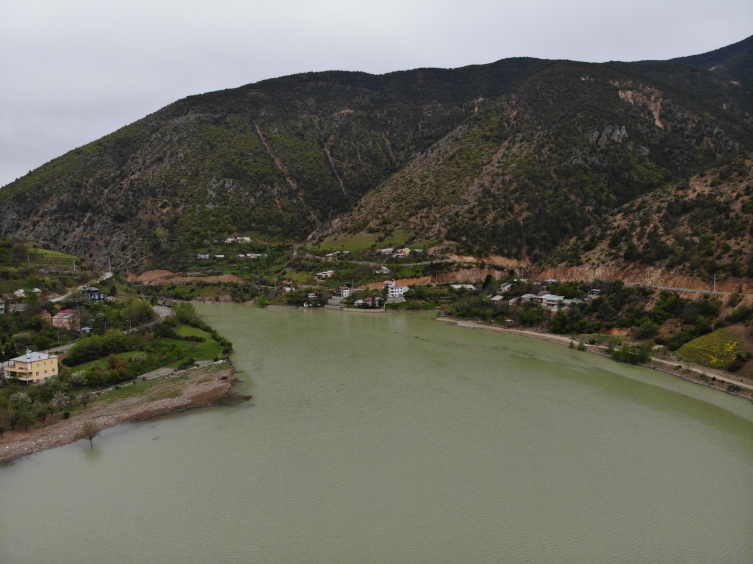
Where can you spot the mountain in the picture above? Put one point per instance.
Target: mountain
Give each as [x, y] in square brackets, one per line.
[735, 60]
[512, 158]
[698, 227]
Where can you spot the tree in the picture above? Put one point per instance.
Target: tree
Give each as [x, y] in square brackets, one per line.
[24, 419]
[41, 413]
[5, 417]
[85, 398]
[91, 429]
[20, 252]
[59, 400]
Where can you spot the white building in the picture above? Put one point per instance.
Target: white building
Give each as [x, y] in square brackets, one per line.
[343, 292]
[396, 291]
[243, 239]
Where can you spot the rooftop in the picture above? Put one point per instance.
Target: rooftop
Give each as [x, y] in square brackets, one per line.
[33, 357]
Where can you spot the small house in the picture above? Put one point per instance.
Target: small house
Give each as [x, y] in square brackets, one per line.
[550, 301]
[92, 293]
[243, 239]
[219, 256]
[67, 319]
[202, 257]
[324, 275]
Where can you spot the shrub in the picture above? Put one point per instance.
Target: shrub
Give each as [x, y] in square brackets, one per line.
[632, 355]
[188, 363]
[647, 330]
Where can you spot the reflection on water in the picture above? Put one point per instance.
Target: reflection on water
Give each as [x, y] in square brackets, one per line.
[394, 438]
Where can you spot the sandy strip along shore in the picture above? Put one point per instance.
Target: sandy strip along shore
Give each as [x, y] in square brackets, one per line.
[198, 388]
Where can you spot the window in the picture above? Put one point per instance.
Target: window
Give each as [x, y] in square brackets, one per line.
[45, 372]
[37, 373]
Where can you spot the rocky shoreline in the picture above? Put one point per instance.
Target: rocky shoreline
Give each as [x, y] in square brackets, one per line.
[201, 389]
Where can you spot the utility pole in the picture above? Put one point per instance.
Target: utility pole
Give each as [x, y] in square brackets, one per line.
[714, 283]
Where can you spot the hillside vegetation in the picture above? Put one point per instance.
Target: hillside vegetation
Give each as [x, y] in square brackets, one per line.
[511, 158]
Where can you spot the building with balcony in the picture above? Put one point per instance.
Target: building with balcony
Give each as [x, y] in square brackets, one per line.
[32, 368]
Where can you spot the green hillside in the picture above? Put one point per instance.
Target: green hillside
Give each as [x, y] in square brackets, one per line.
[511, 158]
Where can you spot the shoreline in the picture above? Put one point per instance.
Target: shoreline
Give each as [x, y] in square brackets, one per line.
[690, 369]
[203, 389]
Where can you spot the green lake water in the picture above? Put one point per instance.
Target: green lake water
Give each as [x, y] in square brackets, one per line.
[396, 438]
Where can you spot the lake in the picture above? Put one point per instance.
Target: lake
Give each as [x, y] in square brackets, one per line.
[395, 438]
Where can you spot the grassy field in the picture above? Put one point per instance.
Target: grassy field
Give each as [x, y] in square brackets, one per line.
[157, 389]
[714, 350]
[101, 363]
[208, 350]
[51, 254]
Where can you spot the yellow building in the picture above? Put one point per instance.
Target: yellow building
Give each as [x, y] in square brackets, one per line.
[32, 368]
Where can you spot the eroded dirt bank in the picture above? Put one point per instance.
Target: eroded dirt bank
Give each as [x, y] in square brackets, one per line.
[191, 388]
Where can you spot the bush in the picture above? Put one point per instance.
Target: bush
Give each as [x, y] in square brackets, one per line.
[97, 346]
[632, 355]
[647, 330]
[188, 363]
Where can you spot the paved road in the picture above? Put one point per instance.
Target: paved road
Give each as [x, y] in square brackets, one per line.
[678, 289]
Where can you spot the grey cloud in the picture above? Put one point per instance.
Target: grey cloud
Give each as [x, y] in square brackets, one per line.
[76, 70]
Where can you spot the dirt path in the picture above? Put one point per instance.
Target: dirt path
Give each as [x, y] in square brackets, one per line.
[670, 367]
[202, 387]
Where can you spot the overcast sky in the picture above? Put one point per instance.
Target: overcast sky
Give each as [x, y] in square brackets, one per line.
[72, 71]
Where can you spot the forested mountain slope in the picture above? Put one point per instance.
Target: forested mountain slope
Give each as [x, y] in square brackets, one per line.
[735, 60]
[563, 148]
[696, 228]
[513, 158]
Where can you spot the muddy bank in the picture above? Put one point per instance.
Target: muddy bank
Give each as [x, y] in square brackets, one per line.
[686, 370]
[197, 387]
